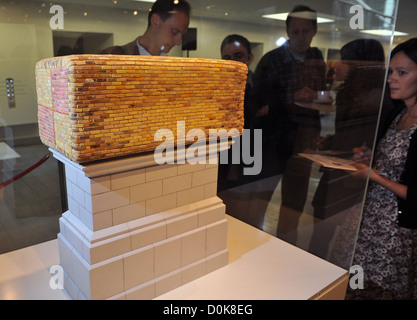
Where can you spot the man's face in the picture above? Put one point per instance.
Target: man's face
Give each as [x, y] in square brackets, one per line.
[170, 32]
[300, 33]
[237, 52]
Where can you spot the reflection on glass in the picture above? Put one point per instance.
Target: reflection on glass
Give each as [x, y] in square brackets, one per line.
[309, 205]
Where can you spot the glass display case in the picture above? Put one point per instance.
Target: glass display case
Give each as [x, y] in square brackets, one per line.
[300, 188]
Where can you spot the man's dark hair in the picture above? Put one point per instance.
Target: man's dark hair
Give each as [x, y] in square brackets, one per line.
[300, 8]
[165, 9]
[236, 37]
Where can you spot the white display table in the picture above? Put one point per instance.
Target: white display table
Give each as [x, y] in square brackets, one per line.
[260, 267]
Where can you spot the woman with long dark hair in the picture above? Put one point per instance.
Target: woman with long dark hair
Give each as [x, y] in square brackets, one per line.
[386, 247]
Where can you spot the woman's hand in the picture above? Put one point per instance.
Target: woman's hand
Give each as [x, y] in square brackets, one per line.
[362, 170]
[362, 155]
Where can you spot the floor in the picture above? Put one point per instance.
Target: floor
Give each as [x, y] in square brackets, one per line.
[264, 197]
[30, 206]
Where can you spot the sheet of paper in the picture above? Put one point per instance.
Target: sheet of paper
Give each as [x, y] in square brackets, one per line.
[329, 161]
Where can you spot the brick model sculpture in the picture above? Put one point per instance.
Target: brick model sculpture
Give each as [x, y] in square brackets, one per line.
[94, 107]
[135, 229]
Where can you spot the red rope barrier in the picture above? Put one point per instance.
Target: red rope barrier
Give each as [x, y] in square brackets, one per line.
[24, 172]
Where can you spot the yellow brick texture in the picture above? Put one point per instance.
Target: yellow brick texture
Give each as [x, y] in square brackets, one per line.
[95, 107]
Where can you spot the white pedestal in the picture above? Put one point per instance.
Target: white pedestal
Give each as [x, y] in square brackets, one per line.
[136, 230]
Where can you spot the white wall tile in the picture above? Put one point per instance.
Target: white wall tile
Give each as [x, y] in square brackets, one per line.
[210, 190]
[71, 173]
[144, 291]
[78, 194]
[81, 275]
[145, 221]
[190, 195]
[161, 172]
[148, 235]
[109, 200]
[86, 217]
[71, 289]
[204, 176]
[146, 191]
[182, 224]
[73, 206]
[118, 297]
[216, 237]
[66, 258]
[177, 183]
[99, 185]
[127, 179]
[110, 248]
[161, 204]
[217, 261]
[107, 279]
[193, 246]
[188, 168]
[102, 220]
[69, 186]
[167, 256]
[168, 282]
[110, 232]
[194, 271]
[138, 267]
[128, 213]
[211, 214]
[73, 236]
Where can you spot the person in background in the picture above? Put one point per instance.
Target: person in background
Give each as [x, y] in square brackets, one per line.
[386, 246]
[361, 71]
[168, 21]
[293, 72]
[236, 47]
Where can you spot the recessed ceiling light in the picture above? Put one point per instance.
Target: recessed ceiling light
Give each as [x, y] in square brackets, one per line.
[145, 0]
[280, 41]
[283, 16]
[384, 32]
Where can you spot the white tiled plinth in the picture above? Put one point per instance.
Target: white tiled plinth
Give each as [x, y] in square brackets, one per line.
[260, 266]
[138, 231]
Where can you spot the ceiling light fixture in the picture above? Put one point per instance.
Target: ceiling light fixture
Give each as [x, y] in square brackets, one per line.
[280, 41]
[384, 32]
[283, 16]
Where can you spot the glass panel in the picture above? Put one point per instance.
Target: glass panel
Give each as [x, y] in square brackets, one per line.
[302, 202]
